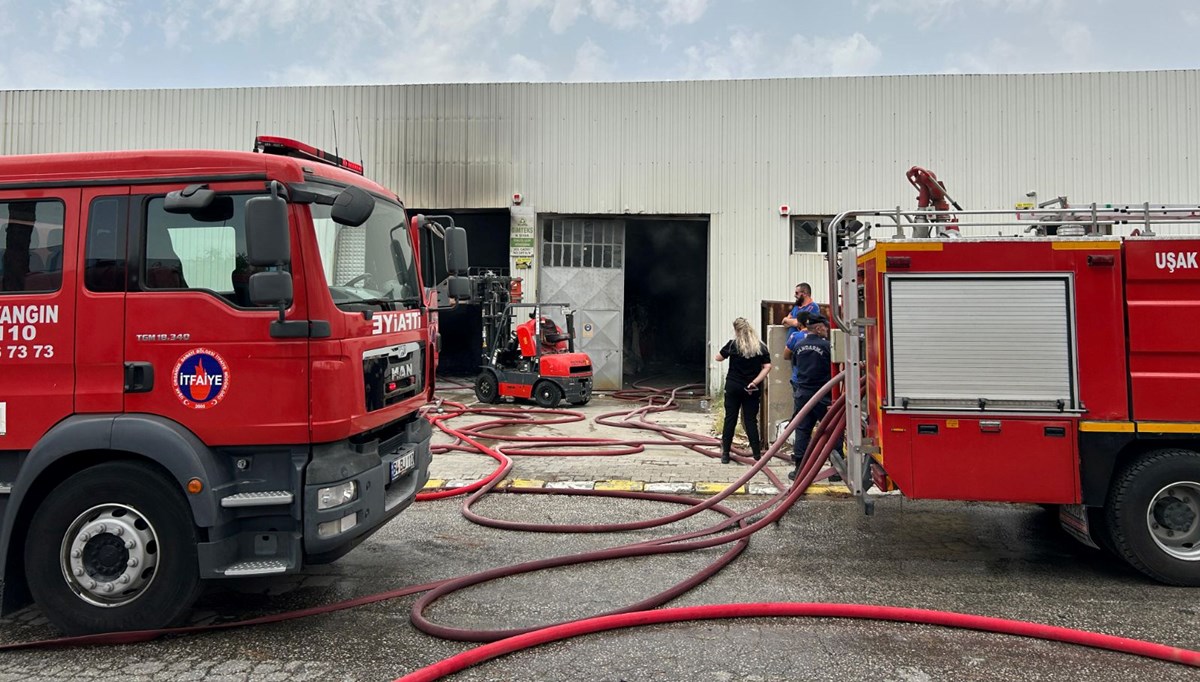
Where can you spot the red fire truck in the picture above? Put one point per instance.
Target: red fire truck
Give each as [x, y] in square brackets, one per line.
[1058, 366]
[211, 364]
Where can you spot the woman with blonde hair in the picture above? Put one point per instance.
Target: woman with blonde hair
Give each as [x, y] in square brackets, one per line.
[749, 363]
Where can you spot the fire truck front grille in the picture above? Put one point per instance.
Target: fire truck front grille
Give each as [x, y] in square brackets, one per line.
[393, 374]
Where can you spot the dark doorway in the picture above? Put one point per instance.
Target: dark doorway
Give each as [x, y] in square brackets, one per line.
[666, 285]
[487, 249]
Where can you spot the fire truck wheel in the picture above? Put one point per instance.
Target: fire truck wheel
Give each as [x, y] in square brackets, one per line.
[486, 390]
[112, 548]
[1154, 516]
[547, 394]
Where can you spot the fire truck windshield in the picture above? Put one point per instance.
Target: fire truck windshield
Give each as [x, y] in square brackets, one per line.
[371, 264]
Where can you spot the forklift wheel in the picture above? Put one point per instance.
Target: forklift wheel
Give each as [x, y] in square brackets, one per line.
[485, 388]
[547, 394]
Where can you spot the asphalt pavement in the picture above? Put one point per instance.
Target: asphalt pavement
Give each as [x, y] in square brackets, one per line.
[1008, 561]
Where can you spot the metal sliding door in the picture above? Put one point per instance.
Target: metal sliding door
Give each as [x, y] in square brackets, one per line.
[583, 264]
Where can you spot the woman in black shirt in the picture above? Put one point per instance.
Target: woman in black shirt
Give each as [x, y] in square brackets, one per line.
[749, 363]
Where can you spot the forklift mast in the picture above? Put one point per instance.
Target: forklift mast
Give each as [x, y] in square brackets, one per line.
[499, 298]
[494, 294]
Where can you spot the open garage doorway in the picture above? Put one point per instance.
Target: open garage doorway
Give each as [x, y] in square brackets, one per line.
[487, 249]
[666, 301]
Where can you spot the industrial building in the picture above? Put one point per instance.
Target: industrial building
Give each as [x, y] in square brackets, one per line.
[671, 208]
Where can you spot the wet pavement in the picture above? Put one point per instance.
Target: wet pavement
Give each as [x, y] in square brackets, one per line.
[1008, 561]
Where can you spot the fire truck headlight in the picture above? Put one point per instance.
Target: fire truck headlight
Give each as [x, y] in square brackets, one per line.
[332, 528]
[336, 495]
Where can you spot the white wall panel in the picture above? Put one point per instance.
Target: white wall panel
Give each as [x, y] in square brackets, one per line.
[734, 150]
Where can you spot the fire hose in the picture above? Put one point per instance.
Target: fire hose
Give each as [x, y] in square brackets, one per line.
[734, 530]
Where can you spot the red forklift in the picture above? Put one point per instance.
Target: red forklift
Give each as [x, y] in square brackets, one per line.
[537, 358]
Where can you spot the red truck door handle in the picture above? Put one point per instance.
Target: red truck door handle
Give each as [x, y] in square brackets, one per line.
[139, 377]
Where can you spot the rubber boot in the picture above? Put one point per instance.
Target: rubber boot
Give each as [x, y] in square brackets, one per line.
[724, 458]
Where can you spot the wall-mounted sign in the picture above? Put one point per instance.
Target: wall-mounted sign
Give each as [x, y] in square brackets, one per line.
[522, 223]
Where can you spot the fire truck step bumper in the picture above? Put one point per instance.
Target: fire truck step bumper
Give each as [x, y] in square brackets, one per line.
[249, 568]
[266, 498]
[251, 552]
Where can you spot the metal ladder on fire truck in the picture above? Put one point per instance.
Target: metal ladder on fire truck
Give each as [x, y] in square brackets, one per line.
[932, 220]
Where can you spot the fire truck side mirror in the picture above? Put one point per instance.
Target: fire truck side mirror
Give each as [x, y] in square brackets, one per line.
[454, 291]
[267, 239]
[459, 288]
[352, 207]
[456, 250]
[273, 288]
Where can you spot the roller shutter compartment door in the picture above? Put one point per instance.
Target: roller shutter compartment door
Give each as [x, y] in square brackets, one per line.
[982, 343]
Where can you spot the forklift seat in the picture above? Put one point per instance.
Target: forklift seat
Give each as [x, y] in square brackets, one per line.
[552, 339]
[552, 335]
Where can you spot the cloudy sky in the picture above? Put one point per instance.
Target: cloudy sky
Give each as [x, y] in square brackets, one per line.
[211, 43]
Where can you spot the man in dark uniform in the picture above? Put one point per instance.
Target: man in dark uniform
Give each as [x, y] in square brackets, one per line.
[812, 370]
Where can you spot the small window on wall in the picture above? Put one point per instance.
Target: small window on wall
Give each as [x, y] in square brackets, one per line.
[808, 233]
[205, 252]
[31, 246]
[582, 243]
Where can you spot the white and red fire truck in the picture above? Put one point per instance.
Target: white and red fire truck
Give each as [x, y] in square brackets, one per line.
[1057, 366]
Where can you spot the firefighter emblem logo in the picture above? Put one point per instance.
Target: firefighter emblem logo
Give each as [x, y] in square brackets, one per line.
[201, 379]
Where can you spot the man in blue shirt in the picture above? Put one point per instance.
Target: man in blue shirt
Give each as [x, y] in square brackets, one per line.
[811, 369]
[805, 306]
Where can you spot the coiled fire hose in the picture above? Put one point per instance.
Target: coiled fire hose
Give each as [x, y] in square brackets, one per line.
[734, 530]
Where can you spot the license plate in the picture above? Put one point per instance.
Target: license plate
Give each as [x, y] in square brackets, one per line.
[403, 464]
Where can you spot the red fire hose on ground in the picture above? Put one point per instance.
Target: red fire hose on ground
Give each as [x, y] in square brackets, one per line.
[735, 530]
[556, 633]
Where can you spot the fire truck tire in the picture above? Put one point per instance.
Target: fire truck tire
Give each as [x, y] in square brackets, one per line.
[1154, 516]
[547, 394]
[487, 391]
[115, 550]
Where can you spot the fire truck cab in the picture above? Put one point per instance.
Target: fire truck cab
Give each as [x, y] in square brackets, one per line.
[1059, 367]
[211, 364]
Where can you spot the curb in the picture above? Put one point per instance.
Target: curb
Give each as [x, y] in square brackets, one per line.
[678, 488]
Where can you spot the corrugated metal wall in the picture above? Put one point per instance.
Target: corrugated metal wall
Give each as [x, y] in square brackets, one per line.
[733, 149]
